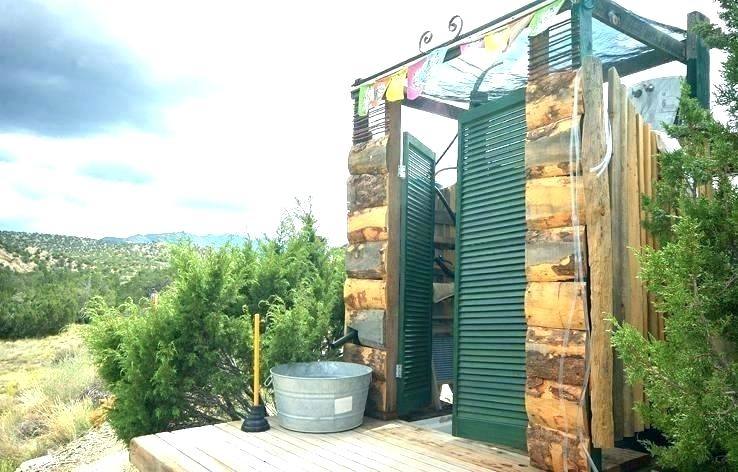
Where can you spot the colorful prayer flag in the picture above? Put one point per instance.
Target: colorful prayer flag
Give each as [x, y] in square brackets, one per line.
[378, 89]
[362, 106]
[497, 40]
[543, 18]
[419, 73]
[396, 87]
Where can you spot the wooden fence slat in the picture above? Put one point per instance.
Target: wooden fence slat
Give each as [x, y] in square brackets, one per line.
[619, 234]
[652, 324]
[599, 248]
[656, 245]
[626, 123]
[634, 313]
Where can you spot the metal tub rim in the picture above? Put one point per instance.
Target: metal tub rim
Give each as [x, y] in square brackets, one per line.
[358, 370]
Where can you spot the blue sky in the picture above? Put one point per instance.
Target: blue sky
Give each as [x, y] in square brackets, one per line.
[141, 116]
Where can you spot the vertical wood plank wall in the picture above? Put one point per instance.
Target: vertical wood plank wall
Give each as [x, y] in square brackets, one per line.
[609, 224]
[633, 172]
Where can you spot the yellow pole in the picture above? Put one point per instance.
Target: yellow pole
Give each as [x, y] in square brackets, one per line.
[257, 340]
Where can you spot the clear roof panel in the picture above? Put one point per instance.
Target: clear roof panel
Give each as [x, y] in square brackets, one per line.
[494, 74]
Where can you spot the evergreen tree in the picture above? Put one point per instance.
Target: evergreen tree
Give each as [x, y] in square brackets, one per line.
[691, 378]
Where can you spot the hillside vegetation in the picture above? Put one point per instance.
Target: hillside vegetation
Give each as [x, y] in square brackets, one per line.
[53, 251]
[49, 392]
[45, 279]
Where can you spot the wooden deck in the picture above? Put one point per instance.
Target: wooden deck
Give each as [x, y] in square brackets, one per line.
[374, 446]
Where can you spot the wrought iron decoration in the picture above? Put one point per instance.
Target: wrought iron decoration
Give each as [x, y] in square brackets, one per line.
[455, 25]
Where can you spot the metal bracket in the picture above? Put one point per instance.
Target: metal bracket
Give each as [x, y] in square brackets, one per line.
[401, 171]
[398, 371]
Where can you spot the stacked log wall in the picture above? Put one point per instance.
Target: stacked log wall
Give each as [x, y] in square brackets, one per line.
[554, 300]
[366, 287]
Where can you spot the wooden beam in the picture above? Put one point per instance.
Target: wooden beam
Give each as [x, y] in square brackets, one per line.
[432, 106]
[369, 157]
[557, 305]
[367, 225]
[625, 21]
[698, 60]
[549, 254]
[582, 11]
[599, 248]
[366, 260]
[547, 150]
[366, 191]
[392, 256]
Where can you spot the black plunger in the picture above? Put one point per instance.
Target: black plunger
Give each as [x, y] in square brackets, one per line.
[255, 420]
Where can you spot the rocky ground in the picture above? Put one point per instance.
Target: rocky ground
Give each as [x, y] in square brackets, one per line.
[98, 450]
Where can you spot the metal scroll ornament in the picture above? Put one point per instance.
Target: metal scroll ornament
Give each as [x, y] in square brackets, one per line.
[455, 25]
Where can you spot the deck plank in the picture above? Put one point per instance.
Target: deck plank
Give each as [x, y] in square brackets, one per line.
[201, 448]
[400, 457]
[473, 450]
[151, 453]
[368, 447]
[313, 444]
[376, 446]
[274, 452]
[246, 453]
[347, 450]
[451, 449]
[428, 455]
[411, 458]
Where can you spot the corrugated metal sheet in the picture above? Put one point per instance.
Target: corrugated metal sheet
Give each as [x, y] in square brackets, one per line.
[443, 348]
[416, 276]
[489, 322]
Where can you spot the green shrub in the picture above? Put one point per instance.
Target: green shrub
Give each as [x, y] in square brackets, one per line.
[186, 361]
[183, 362]
[37, 304]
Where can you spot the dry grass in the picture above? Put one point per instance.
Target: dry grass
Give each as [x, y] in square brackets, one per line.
[45, 387]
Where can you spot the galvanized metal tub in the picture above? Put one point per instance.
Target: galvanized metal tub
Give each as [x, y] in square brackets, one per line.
[321, 397]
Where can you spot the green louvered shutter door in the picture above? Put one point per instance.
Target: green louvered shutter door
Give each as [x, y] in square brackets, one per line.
[416, 277]
[489, 321]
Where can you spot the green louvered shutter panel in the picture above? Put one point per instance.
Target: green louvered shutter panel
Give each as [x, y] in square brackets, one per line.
[416, 277]
[489, 321]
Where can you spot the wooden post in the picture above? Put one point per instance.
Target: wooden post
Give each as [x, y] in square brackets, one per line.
[257, 366]
[599, 244]
[394, 222]
[698, 60]
[627, 262]
[619, 232]
[634, 313]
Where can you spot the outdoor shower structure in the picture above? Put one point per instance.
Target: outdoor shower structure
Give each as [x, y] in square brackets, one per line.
[547, 202]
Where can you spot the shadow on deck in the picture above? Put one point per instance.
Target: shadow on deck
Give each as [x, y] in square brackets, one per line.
[374, 446]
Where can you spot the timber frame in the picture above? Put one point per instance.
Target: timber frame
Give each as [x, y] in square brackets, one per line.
[557, 335]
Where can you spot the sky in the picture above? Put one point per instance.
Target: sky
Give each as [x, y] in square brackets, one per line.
[119, 118]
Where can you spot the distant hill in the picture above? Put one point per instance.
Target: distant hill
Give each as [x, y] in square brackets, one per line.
[208, 240]
[24, 252]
